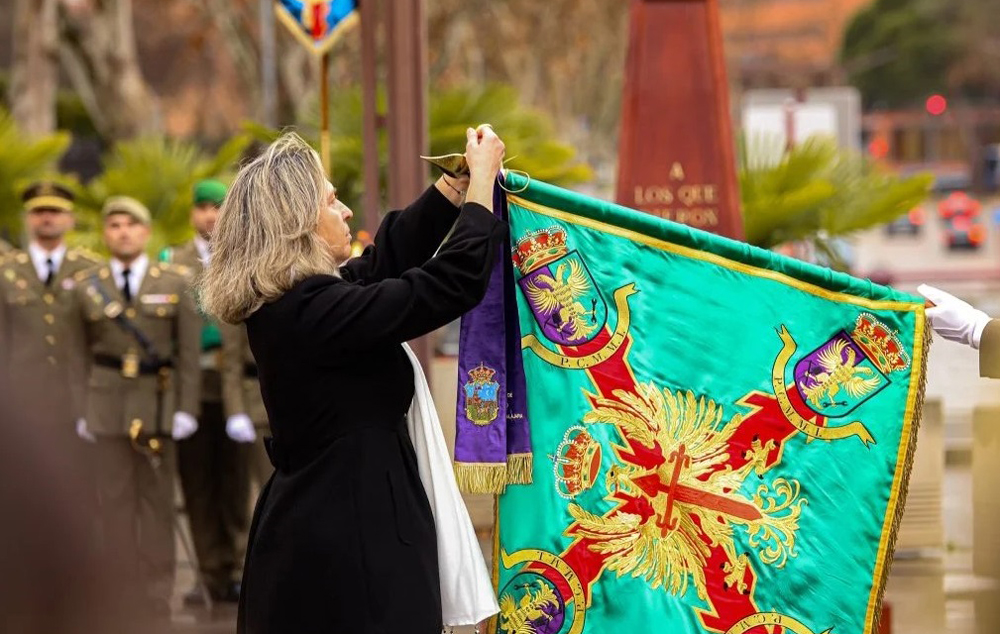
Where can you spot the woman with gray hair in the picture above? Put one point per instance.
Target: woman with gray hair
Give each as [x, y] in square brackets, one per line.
[343, 538]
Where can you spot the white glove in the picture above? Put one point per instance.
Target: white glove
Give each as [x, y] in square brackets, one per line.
[239, 427]
[184, 425]
[83, 432]
[954, 319]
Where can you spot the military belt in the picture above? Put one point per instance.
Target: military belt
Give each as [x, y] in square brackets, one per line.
[121, 363]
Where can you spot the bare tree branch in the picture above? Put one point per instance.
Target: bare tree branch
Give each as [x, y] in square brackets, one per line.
[99, 51]
[35, 70]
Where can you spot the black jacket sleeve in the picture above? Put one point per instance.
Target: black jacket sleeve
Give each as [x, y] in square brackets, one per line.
[337, 315]
[405, 239]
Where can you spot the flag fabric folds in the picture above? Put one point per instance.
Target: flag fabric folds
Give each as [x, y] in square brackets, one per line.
[721, 436]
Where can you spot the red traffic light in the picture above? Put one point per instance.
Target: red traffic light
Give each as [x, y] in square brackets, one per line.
[936, 105]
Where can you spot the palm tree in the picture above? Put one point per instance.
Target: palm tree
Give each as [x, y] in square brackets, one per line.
[528, 135]
[816, 192]
[22, 160]
[159, 172]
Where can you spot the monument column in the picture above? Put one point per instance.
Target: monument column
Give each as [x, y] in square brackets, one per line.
[676, 158]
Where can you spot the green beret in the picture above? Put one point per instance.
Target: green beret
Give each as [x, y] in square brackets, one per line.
[209, 191]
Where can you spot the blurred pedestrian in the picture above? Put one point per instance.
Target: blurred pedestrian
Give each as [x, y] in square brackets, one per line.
[211, 463]
[53, 579]
[343, 538]
[139, 350]
[35, 313]
[958, 321]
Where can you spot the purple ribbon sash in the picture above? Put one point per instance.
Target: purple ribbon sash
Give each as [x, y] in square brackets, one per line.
[492, 439]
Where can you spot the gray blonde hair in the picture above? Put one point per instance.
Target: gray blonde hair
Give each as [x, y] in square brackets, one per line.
[265, 239]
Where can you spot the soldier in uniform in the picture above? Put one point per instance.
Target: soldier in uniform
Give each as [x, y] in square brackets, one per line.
[213, 462]
[35, 299]
[242, 399]
[956, 320]
[139, 346]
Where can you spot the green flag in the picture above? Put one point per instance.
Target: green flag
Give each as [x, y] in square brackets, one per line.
[721, 435]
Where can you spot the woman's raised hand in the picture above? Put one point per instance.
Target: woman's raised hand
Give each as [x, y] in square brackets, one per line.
[484, 153]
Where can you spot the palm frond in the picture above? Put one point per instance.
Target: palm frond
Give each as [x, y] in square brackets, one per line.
[161, 173]
[23, 159]
[817, 191]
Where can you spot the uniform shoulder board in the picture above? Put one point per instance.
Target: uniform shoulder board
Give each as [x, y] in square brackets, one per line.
[87, 273]
[178, 269]
[85, 254]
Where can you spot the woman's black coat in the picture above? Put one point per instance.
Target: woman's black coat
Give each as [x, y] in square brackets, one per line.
[343, 539]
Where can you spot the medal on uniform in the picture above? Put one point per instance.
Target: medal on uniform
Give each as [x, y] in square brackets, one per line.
[130, 365]
[113, 309]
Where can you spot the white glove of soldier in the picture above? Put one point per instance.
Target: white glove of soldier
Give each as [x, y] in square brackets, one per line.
[239, 427]
[954, 319]
[83, 432]
[184, 425]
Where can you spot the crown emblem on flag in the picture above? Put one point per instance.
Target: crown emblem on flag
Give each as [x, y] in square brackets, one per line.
[577, 462]
[880, 344]
[539, 248]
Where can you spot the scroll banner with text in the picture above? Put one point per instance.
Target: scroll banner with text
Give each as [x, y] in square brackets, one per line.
[721, 436]
[676, 158]
[317, 24]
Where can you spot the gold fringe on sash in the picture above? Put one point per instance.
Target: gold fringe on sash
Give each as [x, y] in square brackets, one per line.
[493, 477]
[519, 468]
[481, 477]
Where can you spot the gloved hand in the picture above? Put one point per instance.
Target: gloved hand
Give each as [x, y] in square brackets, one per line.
[954, 319]
[184, 426]
[83, 432]
[239, 427]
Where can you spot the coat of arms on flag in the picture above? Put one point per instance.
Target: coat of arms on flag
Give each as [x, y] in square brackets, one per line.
[721, 435]
[317, 23]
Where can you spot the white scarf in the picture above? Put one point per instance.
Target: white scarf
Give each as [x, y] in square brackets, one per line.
[467, 595]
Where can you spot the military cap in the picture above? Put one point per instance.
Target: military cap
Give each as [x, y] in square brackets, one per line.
[209, 191]
[126, 205]
[47, 195]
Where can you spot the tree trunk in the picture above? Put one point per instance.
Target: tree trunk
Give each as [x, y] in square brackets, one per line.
[98, 51]
[35, 70]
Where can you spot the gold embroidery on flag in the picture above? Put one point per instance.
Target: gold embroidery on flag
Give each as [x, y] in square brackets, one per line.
[807, 427]
[596, 358]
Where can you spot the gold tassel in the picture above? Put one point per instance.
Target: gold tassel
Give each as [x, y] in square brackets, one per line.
[519, 468]
[481, 477]
[918, 409]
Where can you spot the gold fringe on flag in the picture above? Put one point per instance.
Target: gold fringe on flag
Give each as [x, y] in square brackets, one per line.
[918, 410]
